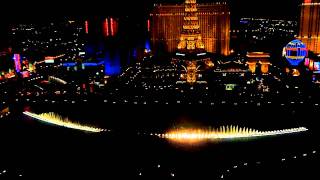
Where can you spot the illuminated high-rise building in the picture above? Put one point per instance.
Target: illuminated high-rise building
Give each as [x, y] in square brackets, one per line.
[209, 23]
[309, 32]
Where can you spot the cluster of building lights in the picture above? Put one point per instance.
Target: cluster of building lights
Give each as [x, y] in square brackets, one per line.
[223, 133]
[55, 119]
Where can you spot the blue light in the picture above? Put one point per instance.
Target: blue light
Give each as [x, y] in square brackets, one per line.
[112, 65]
[147, 46]
[88, 64]
[296, 51]
[135, 53]
[93, 64]
[244, 22]
[68, 64]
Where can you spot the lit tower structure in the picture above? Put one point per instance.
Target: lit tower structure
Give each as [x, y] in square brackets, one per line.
[191, 48]
[309, 31]
[190, 39]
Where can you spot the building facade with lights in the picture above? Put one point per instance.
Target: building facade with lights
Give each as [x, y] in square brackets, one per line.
[214, 20]
[309, 31]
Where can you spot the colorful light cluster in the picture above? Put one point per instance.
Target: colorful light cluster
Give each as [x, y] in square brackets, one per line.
[223, 133]
[312, 65]
[58, 120]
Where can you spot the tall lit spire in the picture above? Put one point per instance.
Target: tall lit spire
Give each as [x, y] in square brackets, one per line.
[190, 39]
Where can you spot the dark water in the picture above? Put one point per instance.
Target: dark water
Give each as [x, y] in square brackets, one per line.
[43, 150]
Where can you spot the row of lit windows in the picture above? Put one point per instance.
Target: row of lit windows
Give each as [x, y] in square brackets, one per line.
[182, 14]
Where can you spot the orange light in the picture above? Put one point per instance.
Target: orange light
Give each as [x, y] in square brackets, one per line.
[295, 73]
[287, 70]
[311, 63]
[252, 66]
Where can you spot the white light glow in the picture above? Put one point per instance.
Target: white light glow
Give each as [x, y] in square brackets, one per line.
[228, 132]
[55, 119]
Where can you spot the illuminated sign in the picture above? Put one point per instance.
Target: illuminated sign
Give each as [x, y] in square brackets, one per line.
[296, 51]
[17, 62]
[307, 62]
[230, 87]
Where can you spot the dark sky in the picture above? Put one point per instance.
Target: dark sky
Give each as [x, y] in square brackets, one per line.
[34, 11]
[37, 10]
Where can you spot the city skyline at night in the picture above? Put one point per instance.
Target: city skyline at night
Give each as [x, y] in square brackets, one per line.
[160, 89]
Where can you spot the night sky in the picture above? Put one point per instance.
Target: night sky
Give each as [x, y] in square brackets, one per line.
[34, 11]
[40, 10]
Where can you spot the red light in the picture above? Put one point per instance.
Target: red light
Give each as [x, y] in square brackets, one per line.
[307, 1]
[148, 22]
[25, 74]
[86, 27]
[91, 88]
[112, 26]
[106, 27]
